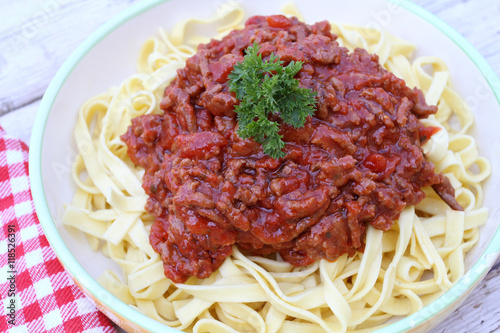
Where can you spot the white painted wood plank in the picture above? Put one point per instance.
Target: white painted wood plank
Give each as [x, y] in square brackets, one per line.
[19, 123]
[480, 313]
[37, 36]
[476, 20]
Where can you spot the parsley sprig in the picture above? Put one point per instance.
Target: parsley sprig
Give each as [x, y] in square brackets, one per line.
[267, 88]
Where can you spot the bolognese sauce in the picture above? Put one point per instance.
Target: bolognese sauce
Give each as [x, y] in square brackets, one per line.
[357, 161]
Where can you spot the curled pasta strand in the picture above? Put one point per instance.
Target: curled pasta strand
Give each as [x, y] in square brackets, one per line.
[399, 272]
[77, 169]
[368, 272]
[152, 50]
[438, 144]
[453, 100]
[240, 317]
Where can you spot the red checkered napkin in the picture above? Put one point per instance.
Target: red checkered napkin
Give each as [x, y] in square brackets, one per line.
[45, 298]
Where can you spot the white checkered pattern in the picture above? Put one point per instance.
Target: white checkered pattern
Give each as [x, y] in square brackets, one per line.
[46, 299]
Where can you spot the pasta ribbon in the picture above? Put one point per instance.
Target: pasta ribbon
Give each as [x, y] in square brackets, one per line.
[399, 272]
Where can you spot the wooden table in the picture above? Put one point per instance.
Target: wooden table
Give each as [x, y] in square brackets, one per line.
[36, 36]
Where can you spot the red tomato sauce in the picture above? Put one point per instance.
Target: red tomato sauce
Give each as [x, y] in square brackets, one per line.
[356, 162]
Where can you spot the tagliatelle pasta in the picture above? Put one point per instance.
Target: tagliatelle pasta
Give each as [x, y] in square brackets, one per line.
[400, 271]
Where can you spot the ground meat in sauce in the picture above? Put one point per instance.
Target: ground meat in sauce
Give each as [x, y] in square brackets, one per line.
[356, 161]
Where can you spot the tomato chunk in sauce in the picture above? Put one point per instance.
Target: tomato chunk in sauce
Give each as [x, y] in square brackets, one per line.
[356, 162]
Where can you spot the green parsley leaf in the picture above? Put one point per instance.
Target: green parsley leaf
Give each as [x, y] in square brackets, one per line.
[267, 90]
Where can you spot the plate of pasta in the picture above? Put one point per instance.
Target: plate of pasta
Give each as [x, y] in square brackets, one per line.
[178, 199]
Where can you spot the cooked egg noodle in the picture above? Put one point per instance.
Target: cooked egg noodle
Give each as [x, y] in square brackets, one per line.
[400, 271]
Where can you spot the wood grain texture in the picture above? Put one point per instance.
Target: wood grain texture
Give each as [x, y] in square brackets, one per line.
[480, 313]
[37, 36]
[476, 20]
[20, 121]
